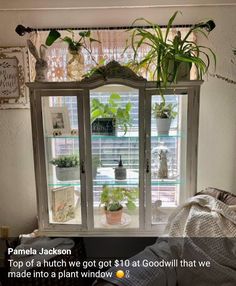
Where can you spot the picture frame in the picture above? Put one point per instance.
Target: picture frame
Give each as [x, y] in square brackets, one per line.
[14, 73]
[58, 121]
[63, 204]
[104, 126]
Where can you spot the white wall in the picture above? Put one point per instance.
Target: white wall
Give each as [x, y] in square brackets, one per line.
[217, 156]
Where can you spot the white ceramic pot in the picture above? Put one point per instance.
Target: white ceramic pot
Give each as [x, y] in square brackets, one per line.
[163, 125]
[68, 174]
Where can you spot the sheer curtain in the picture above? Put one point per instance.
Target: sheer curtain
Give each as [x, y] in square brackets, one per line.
[111, 47]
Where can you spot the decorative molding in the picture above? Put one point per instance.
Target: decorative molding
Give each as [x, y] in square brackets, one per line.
[113, 70]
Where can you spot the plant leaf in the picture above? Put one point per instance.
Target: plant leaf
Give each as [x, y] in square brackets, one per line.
[115, 96]
[85, 34]
[52, 37]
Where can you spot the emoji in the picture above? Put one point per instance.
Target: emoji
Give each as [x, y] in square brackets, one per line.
[120, 274]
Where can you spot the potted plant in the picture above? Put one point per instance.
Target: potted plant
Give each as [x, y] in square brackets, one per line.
[105, 117]
[164, 113]
[166, 58]
[75, 65]
[113, 200]
[67, 167]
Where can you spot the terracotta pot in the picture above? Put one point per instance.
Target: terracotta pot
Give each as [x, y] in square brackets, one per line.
[114, 217]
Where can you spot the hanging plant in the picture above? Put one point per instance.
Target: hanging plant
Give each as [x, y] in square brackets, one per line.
[75, 65]
[73, 45]
[164, 58]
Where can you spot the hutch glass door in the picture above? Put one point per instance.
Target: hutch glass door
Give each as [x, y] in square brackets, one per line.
[166, 156]
[62, 135]
[115, 149]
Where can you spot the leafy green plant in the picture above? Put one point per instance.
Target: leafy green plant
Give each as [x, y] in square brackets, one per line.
[163, 110]
[66, 161]
[74, 46]
[164, 57]
[112, 109]
[113, 199]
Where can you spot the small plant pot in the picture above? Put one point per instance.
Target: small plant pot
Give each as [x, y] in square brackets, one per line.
[163, 125]
[114, 217]
[104, 126]
[68, 174]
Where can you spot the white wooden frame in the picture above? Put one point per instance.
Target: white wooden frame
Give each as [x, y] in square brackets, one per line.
[81, 90]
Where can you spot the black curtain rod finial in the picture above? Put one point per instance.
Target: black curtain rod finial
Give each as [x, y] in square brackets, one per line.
[21, 30]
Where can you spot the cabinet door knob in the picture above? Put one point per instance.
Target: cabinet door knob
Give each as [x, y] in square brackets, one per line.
[147, 166]
[82, 168]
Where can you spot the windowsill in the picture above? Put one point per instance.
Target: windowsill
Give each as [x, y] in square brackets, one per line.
[129, 226]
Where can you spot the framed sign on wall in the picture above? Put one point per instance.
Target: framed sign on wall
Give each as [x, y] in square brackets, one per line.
[14, 72]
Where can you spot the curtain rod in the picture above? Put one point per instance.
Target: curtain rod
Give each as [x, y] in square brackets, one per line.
[21, 30]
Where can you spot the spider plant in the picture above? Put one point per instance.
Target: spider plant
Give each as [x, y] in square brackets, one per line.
[164, 57]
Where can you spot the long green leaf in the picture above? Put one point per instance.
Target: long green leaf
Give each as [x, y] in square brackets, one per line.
[52, 37]
[170, 22]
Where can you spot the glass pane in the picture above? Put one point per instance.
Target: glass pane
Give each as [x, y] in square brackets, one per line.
[60, 125]
[115, 156]
[167, 154]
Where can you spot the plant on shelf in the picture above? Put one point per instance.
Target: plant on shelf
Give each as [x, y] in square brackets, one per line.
[75, 66]
[114, 199]
[164, 113]
[166, 59]
[111, 114]
[67, 167]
